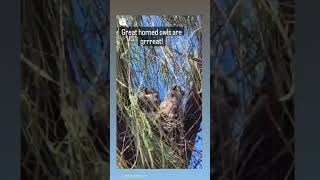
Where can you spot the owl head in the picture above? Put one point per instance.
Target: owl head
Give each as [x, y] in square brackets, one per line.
[176, 91]
[149, 100]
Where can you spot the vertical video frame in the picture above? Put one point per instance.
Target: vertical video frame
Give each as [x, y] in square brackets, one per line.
[159, 95]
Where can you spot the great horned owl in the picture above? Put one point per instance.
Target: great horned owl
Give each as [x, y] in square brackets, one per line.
[149, 100]
[172, 111]
[172, 105]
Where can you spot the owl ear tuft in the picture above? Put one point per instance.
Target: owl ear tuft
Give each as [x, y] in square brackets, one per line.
[148, 90]
[176, 87]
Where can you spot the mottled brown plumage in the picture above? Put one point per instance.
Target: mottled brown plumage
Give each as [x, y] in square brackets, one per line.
[172, 112]
[149, 100]
[172, 105]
